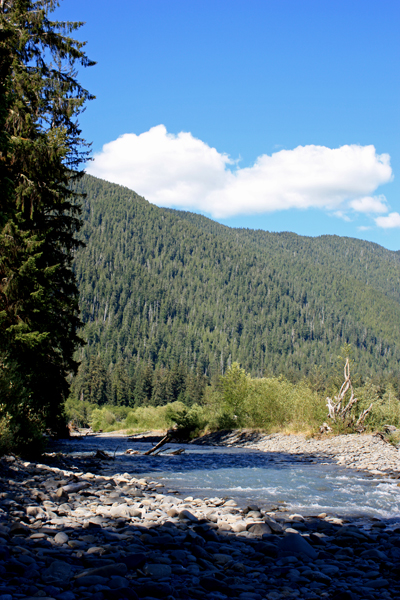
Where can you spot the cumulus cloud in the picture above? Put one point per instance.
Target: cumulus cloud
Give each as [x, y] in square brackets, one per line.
[389, 222]
[184, 172]
[375, 204]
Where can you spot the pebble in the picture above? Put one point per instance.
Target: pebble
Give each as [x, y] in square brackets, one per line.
[61, 538]
[110, 536]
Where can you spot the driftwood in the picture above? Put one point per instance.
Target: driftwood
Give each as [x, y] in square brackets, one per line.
[178, 452]
[166, 451]
[339, 410]
[161, 451]
[134, 436]
[363, 416]
[325, 428]
[385, 435]
[72, 427]
[102, 455]
[167, 438]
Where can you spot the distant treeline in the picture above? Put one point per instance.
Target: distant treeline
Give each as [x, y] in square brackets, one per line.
[116, 385]
[147, 385]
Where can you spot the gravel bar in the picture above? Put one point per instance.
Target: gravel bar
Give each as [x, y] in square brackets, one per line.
[367, 452]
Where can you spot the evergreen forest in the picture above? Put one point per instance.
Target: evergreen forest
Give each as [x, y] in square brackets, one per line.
[171, 299]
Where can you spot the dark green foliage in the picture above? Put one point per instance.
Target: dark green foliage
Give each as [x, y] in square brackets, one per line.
[162, 290]
[188, 422]
[40, 151]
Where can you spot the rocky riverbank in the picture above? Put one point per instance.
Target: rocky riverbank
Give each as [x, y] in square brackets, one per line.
[367, 452]
[73, 529]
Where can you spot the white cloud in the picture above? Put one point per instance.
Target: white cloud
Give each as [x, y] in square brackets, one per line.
[389, 222]
[375, 204]
[340, 214]
[184, 172]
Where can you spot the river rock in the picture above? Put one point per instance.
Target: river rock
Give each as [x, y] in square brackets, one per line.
[105, 571]
[187, 515]
[153, 590]
[157, 571]
[239, 526]
[297, 545]
[221, 559]
[251, 508]
[18, 528]
[273, 525]
[73, 488]
[254, 514]
[60, 494]
[374, 553]
[61, 538]
[58, 571]
[36, 512]
[122, 510]
[134, 561]
[259, 528]
[117, 582]
[90, 580]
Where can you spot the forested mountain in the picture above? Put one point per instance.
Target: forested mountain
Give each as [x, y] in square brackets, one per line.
[171, 298]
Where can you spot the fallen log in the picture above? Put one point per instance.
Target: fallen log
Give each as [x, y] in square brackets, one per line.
[161, 451]
[167, 438]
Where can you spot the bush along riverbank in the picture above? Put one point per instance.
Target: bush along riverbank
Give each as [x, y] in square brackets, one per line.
[70, 532]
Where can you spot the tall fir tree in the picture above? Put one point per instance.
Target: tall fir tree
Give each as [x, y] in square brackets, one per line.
[41, 151]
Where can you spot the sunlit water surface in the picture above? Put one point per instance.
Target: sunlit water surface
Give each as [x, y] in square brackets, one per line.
[250, 476]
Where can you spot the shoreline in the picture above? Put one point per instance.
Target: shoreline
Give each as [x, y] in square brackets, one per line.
[69, 532]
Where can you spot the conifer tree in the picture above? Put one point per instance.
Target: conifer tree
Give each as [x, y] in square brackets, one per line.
[41, 151]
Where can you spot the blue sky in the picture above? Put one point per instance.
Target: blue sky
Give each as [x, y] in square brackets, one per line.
[273, 114]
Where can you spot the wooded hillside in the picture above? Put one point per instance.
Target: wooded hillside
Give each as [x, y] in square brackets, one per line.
[170, 296]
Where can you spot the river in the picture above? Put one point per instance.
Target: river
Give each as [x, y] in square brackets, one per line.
[305, 485]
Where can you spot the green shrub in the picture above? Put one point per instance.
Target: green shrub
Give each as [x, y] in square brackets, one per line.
[226, 420]
[153, 417]
[96, 419]
[108, 417]
[386, 405]
[131, 420]
[79, 412]
[190, 421]
[271, 403]
[235, 389]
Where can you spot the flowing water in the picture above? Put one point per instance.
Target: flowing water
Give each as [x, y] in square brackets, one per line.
[305, 485]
